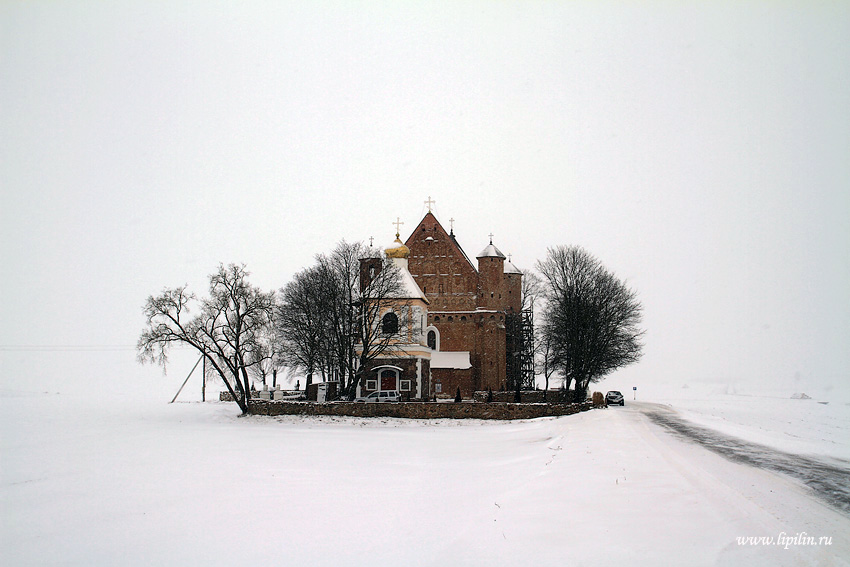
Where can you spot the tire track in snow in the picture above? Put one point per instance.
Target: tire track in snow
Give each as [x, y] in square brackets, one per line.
[829, 481]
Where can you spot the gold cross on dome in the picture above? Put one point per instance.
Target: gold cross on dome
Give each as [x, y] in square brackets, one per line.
[397, 224]
[430, 202]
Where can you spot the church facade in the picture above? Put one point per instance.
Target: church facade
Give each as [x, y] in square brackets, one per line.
[471, 311]
[470, 331]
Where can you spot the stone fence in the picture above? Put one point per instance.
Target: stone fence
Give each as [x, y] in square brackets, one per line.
[526, 396]
[418, 410]
[226, 397]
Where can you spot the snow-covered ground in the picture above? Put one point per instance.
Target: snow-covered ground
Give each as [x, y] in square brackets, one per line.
[124, 480]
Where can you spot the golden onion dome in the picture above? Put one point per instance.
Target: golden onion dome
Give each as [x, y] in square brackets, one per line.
[398, 249]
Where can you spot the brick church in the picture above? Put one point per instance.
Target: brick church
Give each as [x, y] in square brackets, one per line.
[476, 333]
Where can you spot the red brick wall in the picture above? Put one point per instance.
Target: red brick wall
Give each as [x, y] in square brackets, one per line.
[450, 379]
[492, 350]
[491, 278]
[440, 268]
[513, 285]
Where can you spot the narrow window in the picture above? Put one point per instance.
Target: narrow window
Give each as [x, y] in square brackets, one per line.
[432, 340]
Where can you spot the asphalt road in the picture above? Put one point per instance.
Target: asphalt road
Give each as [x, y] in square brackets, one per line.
[829, 480]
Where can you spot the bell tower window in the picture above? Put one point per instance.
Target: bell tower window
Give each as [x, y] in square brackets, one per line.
[389, 324]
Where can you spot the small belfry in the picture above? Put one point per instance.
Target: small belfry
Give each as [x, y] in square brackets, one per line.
[403, 364]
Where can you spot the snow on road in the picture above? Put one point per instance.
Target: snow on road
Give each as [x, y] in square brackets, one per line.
[817, 426]
[828, 478]
[140, 483]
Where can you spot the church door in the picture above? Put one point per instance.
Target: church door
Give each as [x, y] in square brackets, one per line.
[389, 379]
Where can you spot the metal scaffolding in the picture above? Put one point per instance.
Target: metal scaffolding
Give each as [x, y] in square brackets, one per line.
[519, 331]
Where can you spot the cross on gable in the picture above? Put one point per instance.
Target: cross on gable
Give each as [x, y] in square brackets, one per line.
[371, 238]
[452, 225]
[397, 224]
[430, 202]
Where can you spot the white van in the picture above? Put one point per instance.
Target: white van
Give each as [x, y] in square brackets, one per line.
[384, 396]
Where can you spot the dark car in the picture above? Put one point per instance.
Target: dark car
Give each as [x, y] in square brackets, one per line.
[615, 398]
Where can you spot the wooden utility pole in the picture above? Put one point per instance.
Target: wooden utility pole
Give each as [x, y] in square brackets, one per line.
[187, 379]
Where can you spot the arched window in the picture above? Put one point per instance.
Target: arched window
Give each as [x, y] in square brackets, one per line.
[432, 337]
[432, 340]
[389, 324]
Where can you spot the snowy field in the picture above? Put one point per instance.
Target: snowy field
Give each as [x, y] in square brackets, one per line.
[129, 481]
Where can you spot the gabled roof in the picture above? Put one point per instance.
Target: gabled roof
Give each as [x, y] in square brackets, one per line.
[428, 220]
[409, 288]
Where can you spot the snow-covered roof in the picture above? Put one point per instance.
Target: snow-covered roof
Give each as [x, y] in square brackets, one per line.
[409, 289]
[511, 269]
[491, 252]
[397, 249]
[457, 360]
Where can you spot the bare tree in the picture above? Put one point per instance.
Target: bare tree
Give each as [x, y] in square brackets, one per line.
[268, 358]
[591, 319]
[532, 289]
[329, 320]
[300, 321]
[228, 331]
[534, 297]
[545, 357]
[342, 269]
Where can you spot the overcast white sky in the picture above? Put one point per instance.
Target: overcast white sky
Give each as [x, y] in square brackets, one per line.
[700, 151]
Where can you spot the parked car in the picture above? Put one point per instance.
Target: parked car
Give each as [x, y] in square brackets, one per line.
[383, 396]
[615, 398]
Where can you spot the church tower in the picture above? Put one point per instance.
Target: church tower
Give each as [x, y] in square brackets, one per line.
[491, 274]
